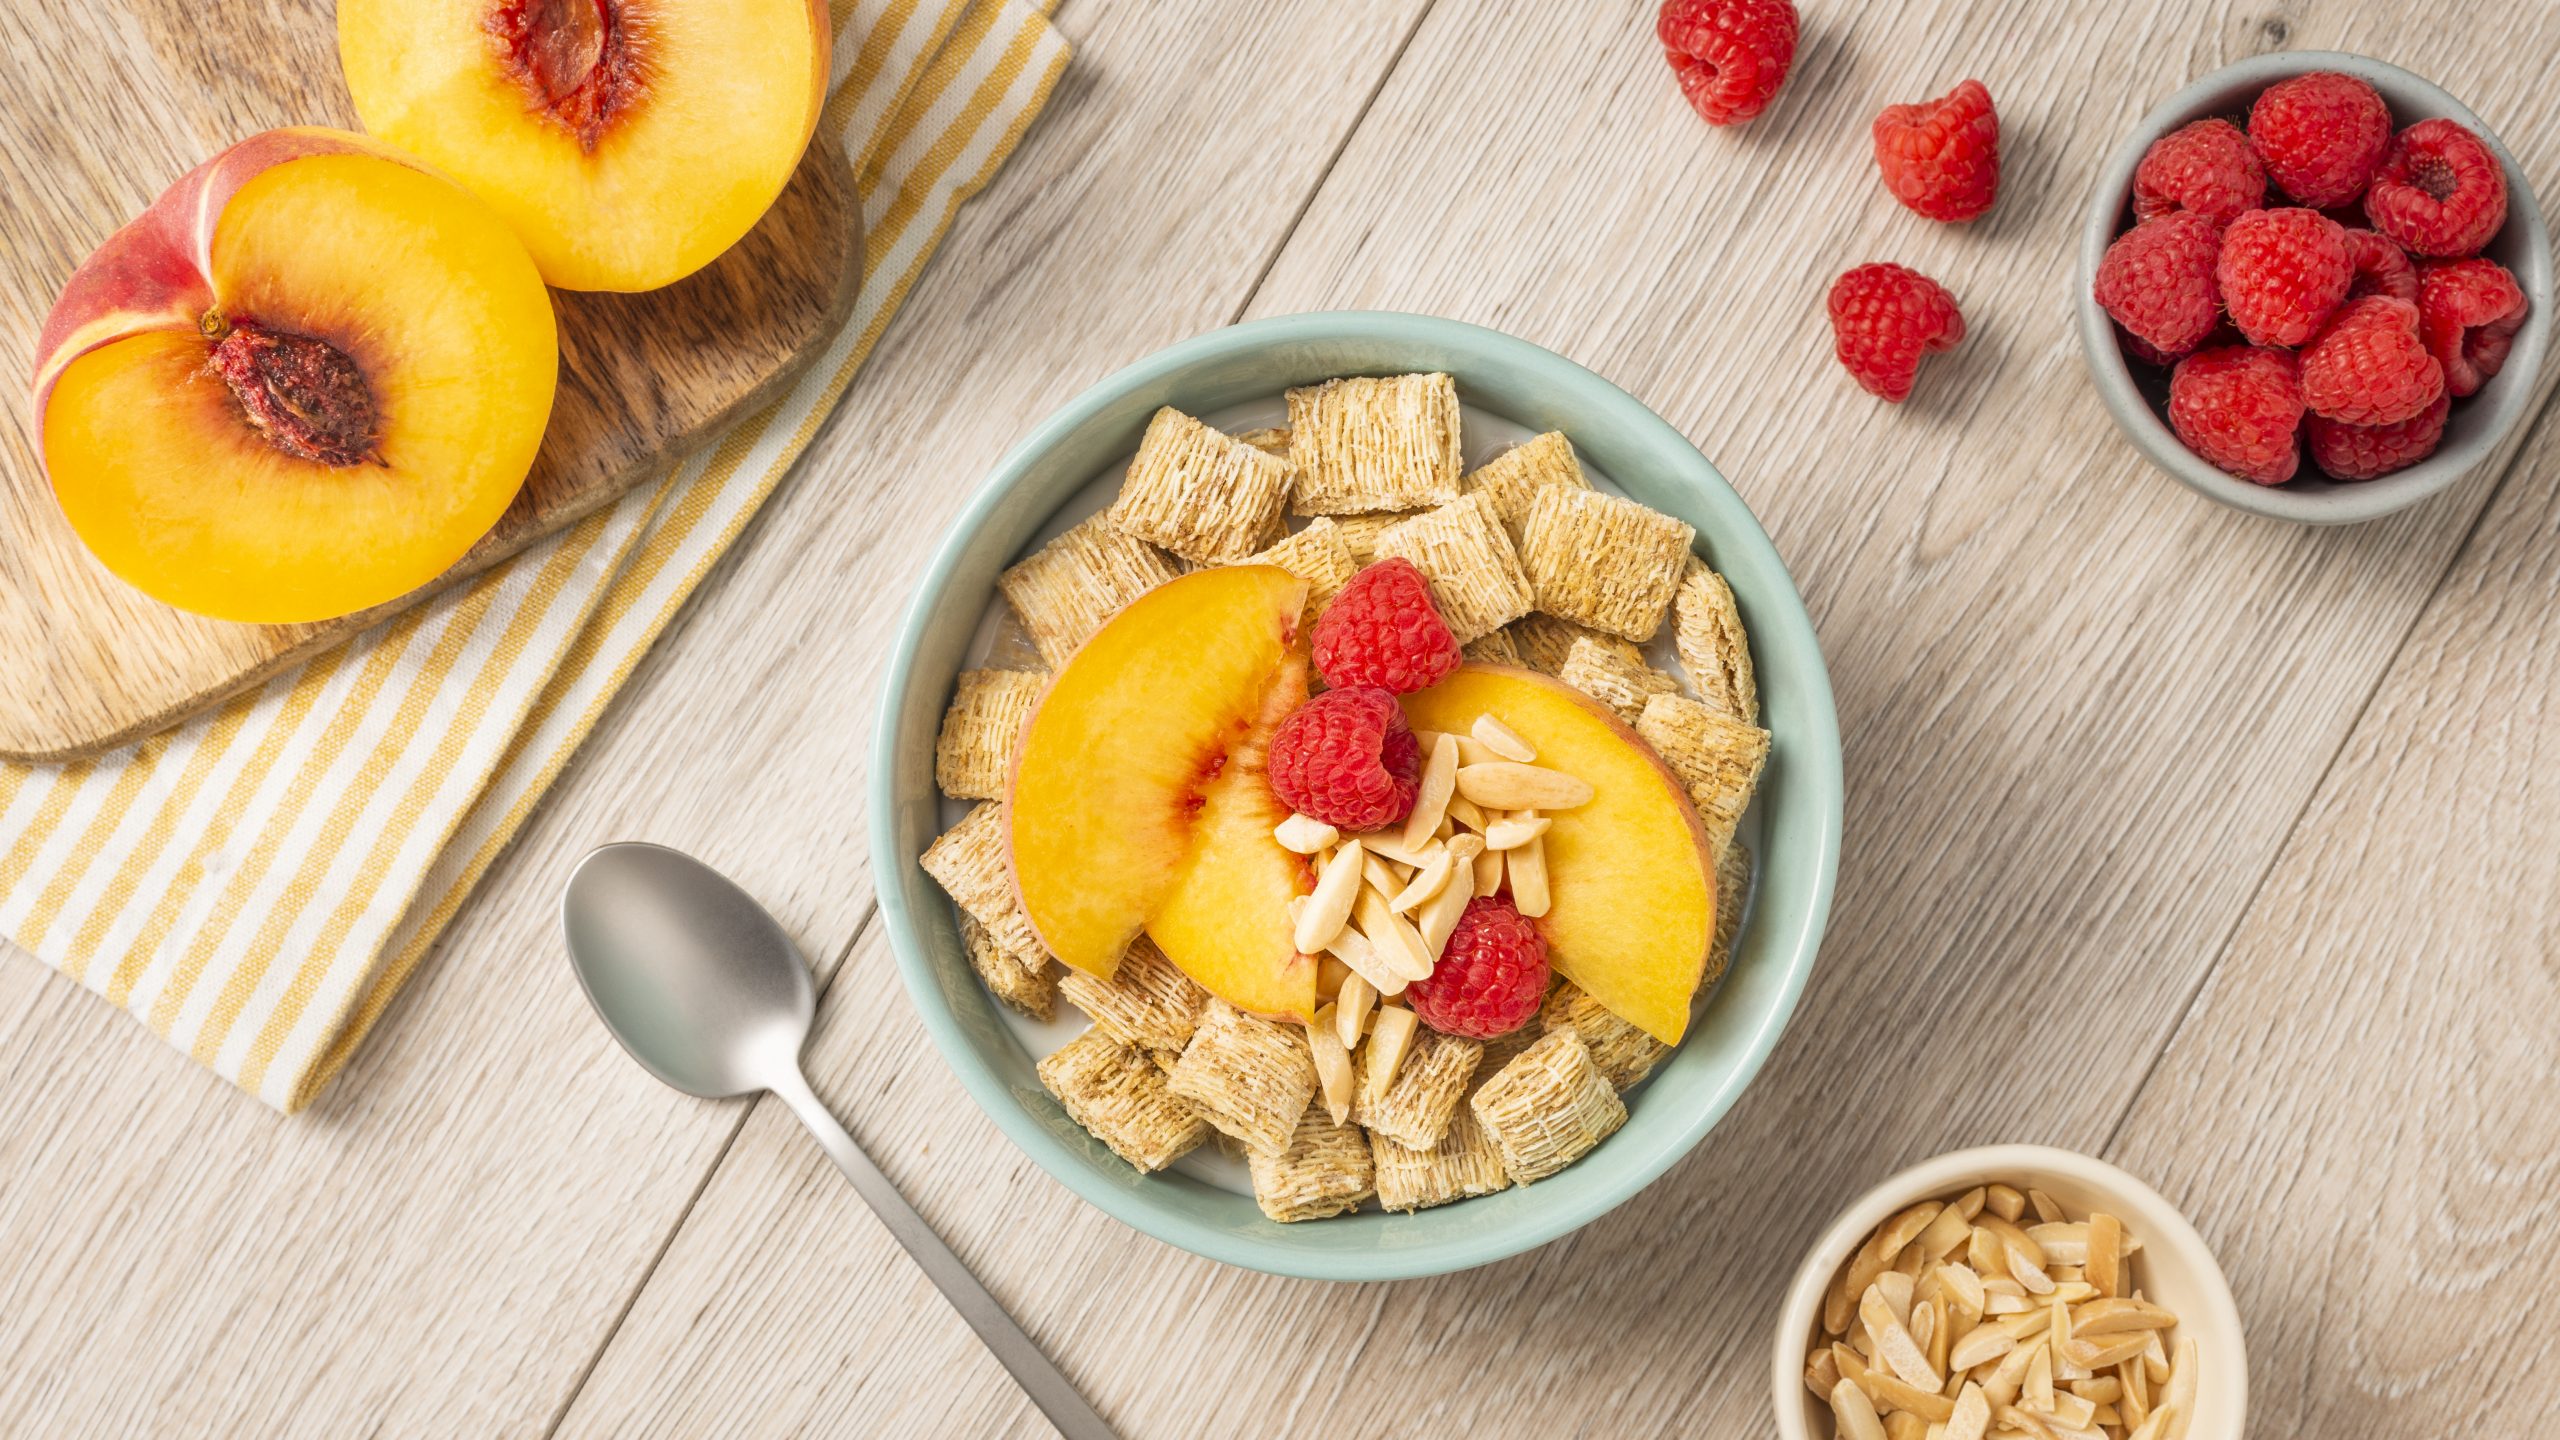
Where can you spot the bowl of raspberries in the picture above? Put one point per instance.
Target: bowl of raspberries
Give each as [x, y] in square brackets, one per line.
[2314, 286]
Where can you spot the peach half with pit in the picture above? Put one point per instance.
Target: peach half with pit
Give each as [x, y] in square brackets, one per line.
[629, 142]
[302, 383]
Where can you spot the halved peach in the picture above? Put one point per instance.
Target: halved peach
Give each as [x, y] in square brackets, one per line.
[1632, 913]
[302, 383]
[628, 141]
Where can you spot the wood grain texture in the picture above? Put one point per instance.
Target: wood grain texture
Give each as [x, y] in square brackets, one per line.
[84, 147]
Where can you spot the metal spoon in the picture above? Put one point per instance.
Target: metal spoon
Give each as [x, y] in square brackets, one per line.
[708, 993]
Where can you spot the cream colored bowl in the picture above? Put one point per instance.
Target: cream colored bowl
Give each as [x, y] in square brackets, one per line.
[2175, 1269]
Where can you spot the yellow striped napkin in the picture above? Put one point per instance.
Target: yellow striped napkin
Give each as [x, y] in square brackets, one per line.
[256, 884]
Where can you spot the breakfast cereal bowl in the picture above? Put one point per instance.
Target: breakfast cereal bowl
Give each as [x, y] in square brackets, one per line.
[2137, 395]
[2174, 1269]
[1054, 478]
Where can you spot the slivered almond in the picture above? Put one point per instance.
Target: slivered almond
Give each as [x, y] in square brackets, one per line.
[1894, 1345]
[1438, 920]
[1513, 831]
[1528, 867]
[1333, 1063]
[2100, 1391]
[1960, 1282]
[1970, 1417]
[1390, 844]
[1489, 872]
[2105, 1266]
[1892, 1394]
[1360, 955]
[1821, 1373]
[1980, 1346]
[1304, 835]
[2099, 1351]
[1399, 947]
[1871, 1260]
[2043, 1205]
[1468, 814]
[1329, 908]
[1389, 1041]
[2002, 1385]
[2156, 1425]
[1501, 739]
[1855, 1413]
[2114, 1316]
[2005, 1202]
[2071, 1410]
[1472, 751]
[1426, 882]
[1351, 1010]
[1944, 1233]
[2063, 1243]
[1970, 1204]
[1510, 785]
[1431, 799]
[2027, 1272]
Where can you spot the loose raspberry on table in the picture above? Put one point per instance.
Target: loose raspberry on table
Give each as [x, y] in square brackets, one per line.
[1383, 630]
[1883, 319]
[2281, 273]
[2240, 408]
[1942, 158]
[1731, 55]
[2361, 452]
[2208, 167]
[2381, 267]
[2369, 367]
[1491, 977]
[2441, 191]
[2322, 136]
[2468, 315]
[1347, 758]
[2157, 281]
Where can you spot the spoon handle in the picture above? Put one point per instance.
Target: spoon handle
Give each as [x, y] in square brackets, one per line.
[1040, 1379]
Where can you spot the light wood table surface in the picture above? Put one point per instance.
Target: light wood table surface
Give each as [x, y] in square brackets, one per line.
[2224, 849]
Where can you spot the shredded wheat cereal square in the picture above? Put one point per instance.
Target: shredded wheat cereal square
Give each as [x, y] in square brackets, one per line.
[1033, 992]
[1464, 1164]
[1706, 628]
[1614, 673]
[1494, 647]
[1513, 478]
[1148, 1002]
[969, 862]
[1549, 1107]
[1624, 1053]
[1545, 642]
[1414, 1110]
[1375, 444]
[1602, 561]
[1248, 1076]
[1322, 1169]
[1718, 756]
[1201, 493]
[974, 755]
[1115, 1094]
[1474, 573]
[1317, 556]
[1068, 587]
[1360, 532]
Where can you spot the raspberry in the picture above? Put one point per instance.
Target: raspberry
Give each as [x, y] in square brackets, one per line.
[1731, 55]
[1883, 319]
[2382, 268]
[1943, 158]
[2208, 167]
[2361, 452]
[2468, 313]
[2157, 281]
[2281, 273]
[1491, 977]
[2369, 367]
[1347, 758]
[2441, 191]
[1383, 630]
[2322, 135]
[2240, 408]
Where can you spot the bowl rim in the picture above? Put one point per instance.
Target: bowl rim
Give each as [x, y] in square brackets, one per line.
[2162, 1224]
[1816, 764]
[2328, 502]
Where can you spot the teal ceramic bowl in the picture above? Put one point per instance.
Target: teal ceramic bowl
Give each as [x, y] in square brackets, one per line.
[1799, 804]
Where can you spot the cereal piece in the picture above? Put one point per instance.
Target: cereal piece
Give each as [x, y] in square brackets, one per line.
[1374, 444]
[1112, 1091]
[1707, 630]
[1200, 493]
[1545, 642]
[1413, 1105]
[974, 756]
[1716, 755]
[1033, 992]
[1601, 561]
[1474, 573]
[1068, 587]
[1613, 672]
[1464, 1163]
[1317, 556]
[1246, 1075]
[1624, 1053]
[1360, 532]
[1733, 892]
[1494, 647]
[969, 862]
[1321, 1169]
[1148, 1002]
[1512, 479]
[1548, 1107]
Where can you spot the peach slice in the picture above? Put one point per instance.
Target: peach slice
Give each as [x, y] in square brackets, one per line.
[1633, 909]
[300, 384]
[628, 141]
[1138, 799]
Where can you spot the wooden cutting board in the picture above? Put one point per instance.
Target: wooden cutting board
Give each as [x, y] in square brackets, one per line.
[114, 99]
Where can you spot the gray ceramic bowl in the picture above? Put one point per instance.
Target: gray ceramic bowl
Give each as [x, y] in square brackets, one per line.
[1799, 802]
[2137, 395]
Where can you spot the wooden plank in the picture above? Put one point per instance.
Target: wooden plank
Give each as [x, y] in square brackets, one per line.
[2358, 1115]
[441, 1245]
[2084, 708]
